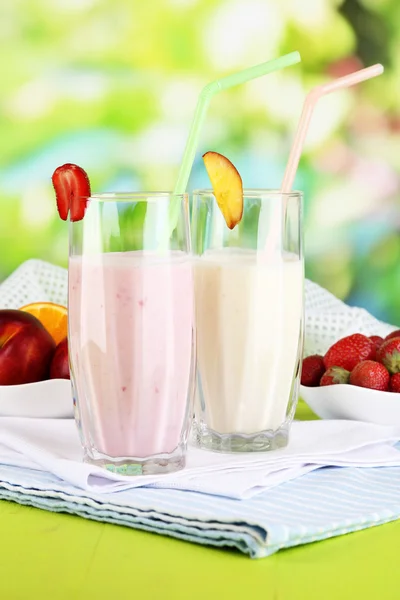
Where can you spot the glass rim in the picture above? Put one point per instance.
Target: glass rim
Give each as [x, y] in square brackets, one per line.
[134, 196]
[254, 193]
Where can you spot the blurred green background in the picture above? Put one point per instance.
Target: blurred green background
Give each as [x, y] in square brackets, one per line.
[112, 86]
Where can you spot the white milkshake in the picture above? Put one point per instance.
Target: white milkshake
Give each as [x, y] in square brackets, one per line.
[249, 314]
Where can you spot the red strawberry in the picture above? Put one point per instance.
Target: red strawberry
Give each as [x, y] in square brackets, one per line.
[370, 374]
[72, 188]
[389, 355]
[377, 339]
[394, 385]
[393, 335]
[349, 351]
[334, 376]
[312, 371]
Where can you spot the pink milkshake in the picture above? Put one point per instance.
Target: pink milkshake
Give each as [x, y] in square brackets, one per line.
[131, 352]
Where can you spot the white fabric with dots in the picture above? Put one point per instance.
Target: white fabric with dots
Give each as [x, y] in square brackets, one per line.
[326, 318]
[329, 319]
[34, 281]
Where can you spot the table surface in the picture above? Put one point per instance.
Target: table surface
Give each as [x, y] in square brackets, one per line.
[47, 555]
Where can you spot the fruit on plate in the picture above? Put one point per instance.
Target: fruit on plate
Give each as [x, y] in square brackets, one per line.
[389, 355]
[227, 187]
[377, 339]
[53, 317]
[349, 351]
[370, 374]
[59, 367]
[335, 376]
[72, 188]
[393, 334]
[312, 370]
[26, 348]
[394, 385]
[369, 362]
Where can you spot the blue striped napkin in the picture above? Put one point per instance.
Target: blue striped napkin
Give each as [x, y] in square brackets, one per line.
[322, 504]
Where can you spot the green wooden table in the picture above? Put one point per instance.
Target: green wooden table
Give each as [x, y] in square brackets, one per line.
[54, 556]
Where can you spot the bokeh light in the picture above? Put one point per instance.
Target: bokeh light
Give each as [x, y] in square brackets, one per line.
[112, 85]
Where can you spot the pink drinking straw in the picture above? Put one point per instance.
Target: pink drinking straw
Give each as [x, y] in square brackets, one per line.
[298, 142]
[308, 110]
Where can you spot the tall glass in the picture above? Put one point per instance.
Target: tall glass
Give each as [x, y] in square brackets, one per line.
[249, 321]
[131, 334]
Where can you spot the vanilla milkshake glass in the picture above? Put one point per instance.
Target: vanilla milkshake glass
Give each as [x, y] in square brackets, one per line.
[131, 331]
[249, 321]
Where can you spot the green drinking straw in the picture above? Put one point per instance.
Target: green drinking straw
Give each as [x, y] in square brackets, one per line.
[205, 97]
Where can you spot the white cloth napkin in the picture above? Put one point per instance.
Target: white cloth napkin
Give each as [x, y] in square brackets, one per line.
[53, 445]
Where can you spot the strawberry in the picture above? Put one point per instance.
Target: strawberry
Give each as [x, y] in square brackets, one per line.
[312, 370]
[393, 335]
[394, 385]
[349, 351]
[389, 355]
[370, 374]
[377, 339]
[334, 376]
[72, 188]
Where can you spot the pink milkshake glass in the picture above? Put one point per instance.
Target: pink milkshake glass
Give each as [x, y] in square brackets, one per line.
[131, 332]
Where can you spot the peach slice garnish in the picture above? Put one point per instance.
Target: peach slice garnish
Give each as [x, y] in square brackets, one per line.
[227, 187]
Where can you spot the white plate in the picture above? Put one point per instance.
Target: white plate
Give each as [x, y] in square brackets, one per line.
[354, 403]
[51, 399]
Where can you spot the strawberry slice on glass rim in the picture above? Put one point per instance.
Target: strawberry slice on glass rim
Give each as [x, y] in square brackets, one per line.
[72, 186]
